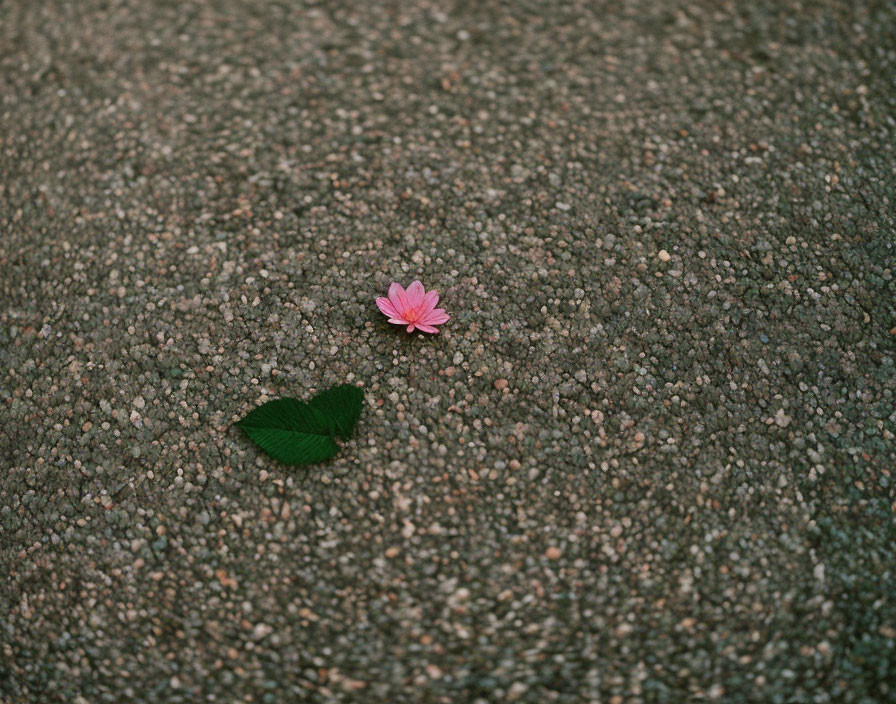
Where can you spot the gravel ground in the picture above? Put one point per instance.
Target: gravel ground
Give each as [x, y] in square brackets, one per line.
[648, 460]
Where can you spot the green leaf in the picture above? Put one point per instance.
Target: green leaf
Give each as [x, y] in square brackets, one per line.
[290, 431]
[342, 405]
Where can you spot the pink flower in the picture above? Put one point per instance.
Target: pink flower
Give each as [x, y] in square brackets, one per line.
[415, 307]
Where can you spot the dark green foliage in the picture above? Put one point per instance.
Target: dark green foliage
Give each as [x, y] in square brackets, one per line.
[295, 432]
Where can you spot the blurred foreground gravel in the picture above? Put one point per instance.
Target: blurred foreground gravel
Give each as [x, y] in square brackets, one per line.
[650, 458]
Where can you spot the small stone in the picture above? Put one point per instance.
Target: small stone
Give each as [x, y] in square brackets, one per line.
[664, 256]
[460, 595]
[516, 690]
[782, 419]
[717, 691]
[623, 629]
[500, 384]
[553, 553]
[261, 631]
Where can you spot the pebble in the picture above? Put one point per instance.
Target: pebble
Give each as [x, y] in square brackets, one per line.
[261, 630]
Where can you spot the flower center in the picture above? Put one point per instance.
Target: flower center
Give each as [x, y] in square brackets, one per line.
[413, 315]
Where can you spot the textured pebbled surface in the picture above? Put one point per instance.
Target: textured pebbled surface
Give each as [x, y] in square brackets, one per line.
[649, 458]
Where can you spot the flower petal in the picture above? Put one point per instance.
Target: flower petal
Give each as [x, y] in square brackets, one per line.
[435, 317]
[386, 307]
[427, 328]
[429, 302]
[398, 297]
[398, 321]
[415, 294]
[411, 327]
